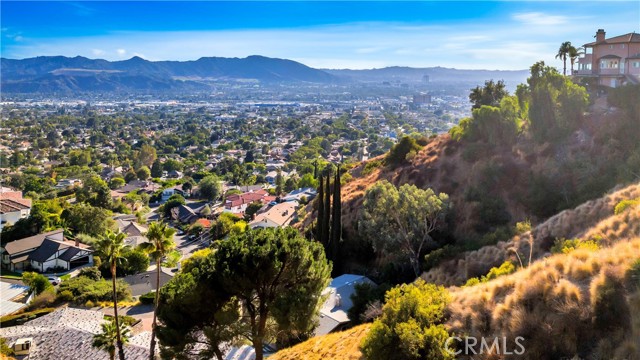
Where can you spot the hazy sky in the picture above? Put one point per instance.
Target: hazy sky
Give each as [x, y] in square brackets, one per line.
[471, 35]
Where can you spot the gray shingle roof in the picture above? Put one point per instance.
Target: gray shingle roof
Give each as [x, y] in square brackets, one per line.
[67, 334]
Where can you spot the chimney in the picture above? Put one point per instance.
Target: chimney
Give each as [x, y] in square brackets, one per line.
[600, 35]
[77, 242]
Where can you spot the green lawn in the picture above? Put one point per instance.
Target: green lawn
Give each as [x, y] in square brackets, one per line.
[10, 274]
[65, 277]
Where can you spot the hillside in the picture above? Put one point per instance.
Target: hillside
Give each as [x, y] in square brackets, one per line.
[493, 187]
[555, 303]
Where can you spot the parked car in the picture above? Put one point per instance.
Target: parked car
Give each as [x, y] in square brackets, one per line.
[54, 280]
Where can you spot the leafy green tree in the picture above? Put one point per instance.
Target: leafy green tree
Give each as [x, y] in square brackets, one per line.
[411, 325]
[87, 219]
[143, 173]
[308, 181]
[156, 169]
[252, 209]
[277, 274]
[174, 200]
[106, 340]
[556, 105]
[490, 94]
[192, 304]
[223, 225]
[37, 282]
[116, 183]
[111, 246]
[145, 156]
[399, 152]
[401, 220]
[210, 188]
[79, 157]
[160, 244]
[130, 175]
[564, 51]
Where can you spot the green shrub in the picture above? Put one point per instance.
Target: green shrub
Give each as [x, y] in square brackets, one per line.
[45, 299]
[37, 282]
[435, 257]
[370, 166]
[506, 268]
[65, 296]
[624, 205]
[565, 246]
[364, 295]
[398, 153]
[4, 348]
[84, 289]
[523, 227]
[92, 273]
[148, 298]
[411, 325]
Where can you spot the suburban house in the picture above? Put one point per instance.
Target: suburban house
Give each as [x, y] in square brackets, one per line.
[68, 183]
[67, 333]
[13, 206]
[333, 314]
[277, 216]
[145, 282]
[237, 203]
[44, 252]
[135, 232]
[168, 192]
[613, 62]
[190, 213]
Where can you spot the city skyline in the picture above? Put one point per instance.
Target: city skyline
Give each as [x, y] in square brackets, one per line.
[357, 35]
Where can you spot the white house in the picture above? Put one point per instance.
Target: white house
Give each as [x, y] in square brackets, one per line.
[11, 211]
[45, 251]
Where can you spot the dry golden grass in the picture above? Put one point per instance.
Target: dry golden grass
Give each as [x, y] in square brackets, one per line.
[344, 345]
[593, 219]
[553, 303]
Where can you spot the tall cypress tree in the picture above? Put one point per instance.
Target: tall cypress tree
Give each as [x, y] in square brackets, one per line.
[320, 202]
[336, 226]
[326, 219]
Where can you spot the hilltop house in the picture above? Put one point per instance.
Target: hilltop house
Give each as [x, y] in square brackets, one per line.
[44, 252]
[612, 62]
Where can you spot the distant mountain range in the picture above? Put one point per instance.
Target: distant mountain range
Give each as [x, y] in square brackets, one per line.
[436, 74]
[60, 74]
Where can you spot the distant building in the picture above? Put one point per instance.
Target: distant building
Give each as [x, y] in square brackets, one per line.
[612, 62]
[425, 78]
[422, 98]
[13, 206]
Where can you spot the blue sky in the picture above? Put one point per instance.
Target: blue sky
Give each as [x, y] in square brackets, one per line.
[471, 35]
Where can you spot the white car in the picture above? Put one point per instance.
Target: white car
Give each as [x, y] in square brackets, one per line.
[54, 280]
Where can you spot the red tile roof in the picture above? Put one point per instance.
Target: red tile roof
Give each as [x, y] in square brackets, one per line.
[626, 38]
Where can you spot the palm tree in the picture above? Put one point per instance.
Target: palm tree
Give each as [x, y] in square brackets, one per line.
[111, 247]
[574, 54]
[160, 244]
[562, 54]
[106, 340]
